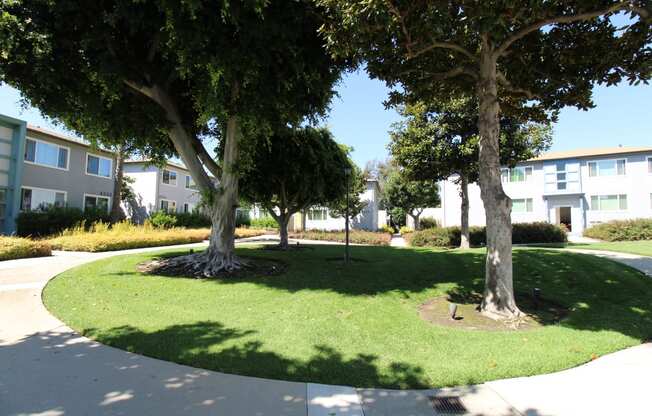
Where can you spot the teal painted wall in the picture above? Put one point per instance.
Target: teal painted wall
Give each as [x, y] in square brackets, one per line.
[15, 171]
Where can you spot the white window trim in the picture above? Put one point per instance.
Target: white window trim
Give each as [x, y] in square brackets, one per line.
[35, 188]
[168, 201]
[110, 177]
[509, 176]
[596, 161]
[97, 196]
[176, 180]
[609, 210]
[35, 163]
[192, 183]
[525, 199]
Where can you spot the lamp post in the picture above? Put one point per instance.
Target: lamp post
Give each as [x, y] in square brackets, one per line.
[347, 173]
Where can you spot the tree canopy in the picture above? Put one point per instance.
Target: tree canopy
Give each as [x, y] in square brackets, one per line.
[168, 74]
[293, 169]
[410, 195]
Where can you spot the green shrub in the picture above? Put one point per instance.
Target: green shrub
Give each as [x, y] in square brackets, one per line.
[355, 236]
[628, 230]
[522, 233]
[56, 219]
[161, 219]
[18, 248]
[263, 222]
[192, 220]
[428, 222]
[242, 218]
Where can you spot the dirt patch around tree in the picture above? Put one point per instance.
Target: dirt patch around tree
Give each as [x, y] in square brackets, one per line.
[537, 313]
[251, 267]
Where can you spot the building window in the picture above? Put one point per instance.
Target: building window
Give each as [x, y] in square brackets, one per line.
[168, 206]
[190, 184]
[562, 176]
[609, 202]
[46, 154]
[3, 203]
[607, 167]
[97, 202]
[187, 208]
[36, 199]
[169, 177]
[516, 174]
[522, 205]
[98, 165]
[317, 214]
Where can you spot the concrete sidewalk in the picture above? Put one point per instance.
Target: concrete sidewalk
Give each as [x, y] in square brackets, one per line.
[48, 369]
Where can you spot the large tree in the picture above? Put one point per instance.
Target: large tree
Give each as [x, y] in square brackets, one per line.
[293, 169]
[410, 195]
[167, 74]
[434, 142]
[513, 56]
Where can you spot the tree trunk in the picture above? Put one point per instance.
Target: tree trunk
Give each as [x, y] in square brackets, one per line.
[498, 300]
[464, 221]
[283, 230]
[220, 255]
[416, 220]
[116, 209]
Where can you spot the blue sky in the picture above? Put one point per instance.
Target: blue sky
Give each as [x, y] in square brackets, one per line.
[623, 116]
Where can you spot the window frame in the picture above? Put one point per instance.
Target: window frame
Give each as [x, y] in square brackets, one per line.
[597, 167]
[110, 177]
[609, 210]
[33, 188]
[525, 200]
[509, 174]
[323, 213]
[35, 163]
[190, 181]
[108, 198]
[176, 177]
[167, 211]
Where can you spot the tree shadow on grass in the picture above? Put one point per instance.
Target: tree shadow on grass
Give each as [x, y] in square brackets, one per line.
[598, 293]
[201, 344]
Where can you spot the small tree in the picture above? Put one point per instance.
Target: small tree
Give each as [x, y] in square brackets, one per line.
[411, 196]
[515, 57]
[292, 170]
[357, 183]
[431, 145]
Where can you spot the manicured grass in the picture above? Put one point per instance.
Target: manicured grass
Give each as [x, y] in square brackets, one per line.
[641, 247]
[18, 248]
[123, 236]
[356, 325]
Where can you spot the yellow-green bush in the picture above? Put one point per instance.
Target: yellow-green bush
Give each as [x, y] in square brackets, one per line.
[124, 235]
[18, 248]
[355, 236]
[627, 230]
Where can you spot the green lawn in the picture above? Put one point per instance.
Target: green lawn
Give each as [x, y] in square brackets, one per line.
[357, 325]
[643, 247]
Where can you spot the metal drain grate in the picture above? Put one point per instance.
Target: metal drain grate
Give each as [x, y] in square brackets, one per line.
[448, 405]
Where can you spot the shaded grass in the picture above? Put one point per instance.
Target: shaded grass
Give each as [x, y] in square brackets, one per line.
[357, 324]
[18, 248]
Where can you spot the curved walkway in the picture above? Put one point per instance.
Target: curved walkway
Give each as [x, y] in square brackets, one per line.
[48, 369]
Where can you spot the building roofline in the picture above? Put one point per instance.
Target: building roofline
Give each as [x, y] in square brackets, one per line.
[584, 153]
[66, 138]
[148, 161]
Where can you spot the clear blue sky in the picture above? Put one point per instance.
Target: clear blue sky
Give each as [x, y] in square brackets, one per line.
[623, 116]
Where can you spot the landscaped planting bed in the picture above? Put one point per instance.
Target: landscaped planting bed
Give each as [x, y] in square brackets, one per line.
[358, 324]
[355, 236]
[18, 248]
[124, 236]
[628, 230]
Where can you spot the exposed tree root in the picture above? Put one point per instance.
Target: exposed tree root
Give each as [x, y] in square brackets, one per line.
[199, 265]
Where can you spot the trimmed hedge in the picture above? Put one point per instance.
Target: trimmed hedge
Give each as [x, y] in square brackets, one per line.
[627, 230]
[522, 233]
[263, 222]
[54, 220]
[124, 235]
[19, 248]
[355, 236]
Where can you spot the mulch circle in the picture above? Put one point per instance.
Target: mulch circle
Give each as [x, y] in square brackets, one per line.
[468, 316]
[253, 267]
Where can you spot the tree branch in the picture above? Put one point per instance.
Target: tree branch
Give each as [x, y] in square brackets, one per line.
[500, 51]
[440, 76]
[502, 80]
[206, 159]
[433, 45]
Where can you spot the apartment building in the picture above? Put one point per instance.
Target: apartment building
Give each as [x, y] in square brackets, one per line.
[169, 188]
[40, 168]
[578, 188]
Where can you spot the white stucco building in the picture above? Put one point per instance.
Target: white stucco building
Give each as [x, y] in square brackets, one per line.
[578, 188]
